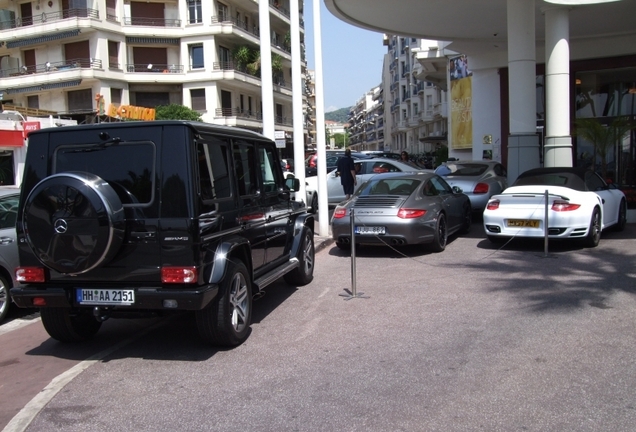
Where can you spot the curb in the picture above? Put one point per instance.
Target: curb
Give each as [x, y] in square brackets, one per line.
[321, 243]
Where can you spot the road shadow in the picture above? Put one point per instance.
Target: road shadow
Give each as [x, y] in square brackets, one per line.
[172, 337]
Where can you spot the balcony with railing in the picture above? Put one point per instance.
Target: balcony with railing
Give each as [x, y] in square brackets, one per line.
[152, 22]
[278, 80]
[154, 68]
[239, 113]
[223, 19]
[48, 17]
[48, 67]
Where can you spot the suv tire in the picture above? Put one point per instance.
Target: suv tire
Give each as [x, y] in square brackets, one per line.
[226, 321]
[66, 325]
[304, 273]
[75, 222]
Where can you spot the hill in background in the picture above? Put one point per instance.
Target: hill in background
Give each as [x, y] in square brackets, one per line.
[340, 116]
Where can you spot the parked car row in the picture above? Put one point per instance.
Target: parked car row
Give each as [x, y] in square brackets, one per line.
[423, 207]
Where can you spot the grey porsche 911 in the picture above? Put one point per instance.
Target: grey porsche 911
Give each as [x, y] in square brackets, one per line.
[403, 208]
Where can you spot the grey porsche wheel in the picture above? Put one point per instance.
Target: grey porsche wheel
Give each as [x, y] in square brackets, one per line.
[441, 234]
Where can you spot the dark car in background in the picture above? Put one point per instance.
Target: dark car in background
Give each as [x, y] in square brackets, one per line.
[332, 161]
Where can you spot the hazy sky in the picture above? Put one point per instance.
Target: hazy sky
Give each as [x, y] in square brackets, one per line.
[352, 57]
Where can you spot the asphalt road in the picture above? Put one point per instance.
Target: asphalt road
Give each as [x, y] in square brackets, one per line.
[474, 338]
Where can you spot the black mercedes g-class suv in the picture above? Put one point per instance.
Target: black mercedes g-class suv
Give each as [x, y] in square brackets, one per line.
[125, 219]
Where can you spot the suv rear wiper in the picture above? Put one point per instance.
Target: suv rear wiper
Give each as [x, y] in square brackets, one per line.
[97, 147]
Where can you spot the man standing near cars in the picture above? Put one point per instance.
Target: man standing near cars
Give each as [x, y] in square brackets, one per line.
[347, 171]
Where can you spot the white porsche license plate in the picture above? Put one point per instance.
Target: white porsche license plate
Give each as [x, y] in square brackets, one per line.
[370, 230]
[523, 223]
[102, 296]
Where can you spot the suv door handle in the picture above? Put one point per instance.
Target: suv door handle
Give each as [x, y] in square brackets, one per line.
[143, 235]
[5, 240]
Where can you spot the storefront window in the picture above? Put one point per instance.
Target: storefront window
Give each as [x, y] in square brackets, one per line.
[608, 95]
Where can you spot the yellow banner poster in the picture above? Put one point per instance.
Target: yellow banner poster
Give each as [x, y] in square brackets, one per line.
[461, 104]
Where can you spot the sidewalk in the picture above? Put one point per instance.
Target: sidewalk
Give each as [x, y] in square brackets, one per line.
[321, 242]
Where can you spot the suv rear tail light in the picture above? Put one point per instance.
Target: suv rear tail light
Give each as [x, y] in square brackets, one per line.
[339, 212]
[410, 213]
[179, 275]
[492, 205]
[30, 274]
[481, 188]
[560, 205]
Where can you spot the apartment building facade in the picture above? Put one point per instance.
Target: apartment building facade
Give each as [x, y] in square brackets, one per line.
[79, 57]
[416, 100]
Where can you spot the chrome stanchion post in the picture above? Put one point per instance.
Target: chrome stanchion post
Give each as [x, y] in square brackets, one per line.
[353, 293]
[545, 226]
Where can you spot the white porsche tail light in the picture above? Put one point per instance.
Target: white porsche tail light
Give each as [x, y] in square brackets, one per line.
[560, 205]
[492, 205]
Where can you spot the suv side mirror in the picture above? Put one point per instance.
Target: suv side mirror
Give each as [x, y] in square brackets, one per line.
[457, 189]
[293, 184]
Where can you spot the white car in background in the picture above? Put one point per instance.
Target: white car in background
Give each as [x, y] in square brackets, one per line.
[9, 198]
[366, 168]
[580, 206]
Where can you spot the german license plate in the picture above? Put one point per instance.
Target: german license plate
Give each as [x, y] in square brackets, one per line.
[102, 296]
[523, 223]
[370, 230]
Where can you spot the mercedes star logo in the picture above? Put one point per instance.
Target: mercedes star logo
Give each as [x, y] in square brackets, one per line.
[60, 226]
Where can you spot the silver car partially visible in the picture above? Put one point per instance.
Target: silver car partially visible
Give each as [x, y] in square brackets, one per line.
[402, 208]
[9, 199]
[478, 179]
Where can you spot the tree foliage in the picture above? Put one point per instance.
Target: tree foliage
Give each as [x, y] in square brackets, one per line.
[176, 112]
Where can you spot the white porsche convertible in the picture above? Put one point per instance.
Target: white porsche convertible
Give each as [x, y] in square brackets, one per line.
[580, 205]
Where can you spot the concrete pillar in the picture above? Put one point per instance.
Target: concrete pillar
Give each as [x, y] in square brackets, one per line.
[523, 143]
[297, 101]
[267, 84]
[558, 141]
[321, 139]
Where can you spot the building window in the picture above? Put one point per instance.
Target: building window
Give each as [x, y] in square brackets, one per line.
[33, 102]
[115, 96]
[225, 58]
[198, 99]
[196, 56]
[223, 11]
[113, 54]
[80, 100]
[194, 12]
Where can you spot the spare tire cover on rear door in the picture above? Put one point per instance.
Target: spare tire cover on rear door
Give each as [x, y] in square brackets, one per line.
[74, 222]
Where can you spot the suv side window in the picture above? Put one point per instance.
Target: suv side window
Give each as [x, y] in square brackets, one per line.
[214, 173]
[244, 165]
[268, 171]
